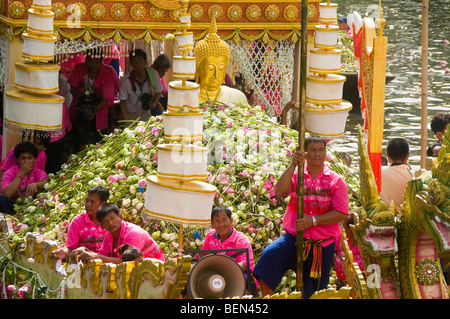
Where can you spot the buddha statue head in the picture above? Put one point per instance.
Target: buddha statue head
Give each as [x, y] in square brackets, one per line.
[212, 55]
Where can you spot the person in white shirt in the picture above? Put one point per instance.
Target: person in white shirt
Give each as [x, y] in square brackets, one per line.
[141, 88]
[396, 175]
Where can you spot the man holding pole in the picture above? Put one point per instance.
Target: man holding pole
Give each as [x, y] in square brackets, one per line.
[325, 205]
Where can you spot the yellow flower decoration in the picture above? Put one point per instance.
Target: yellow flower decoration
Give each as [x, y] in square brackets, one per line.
[117, 11]
[16, 10]
[59, 9]
[216, 10]
[290, 13]
[272, 12]
[156, 13]
[196, 12]
[234, 13]
[97, 11]
[253, 12]
[137, 11]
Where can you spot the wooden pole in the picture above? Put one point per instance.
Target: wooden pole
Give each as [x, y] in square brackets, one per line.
[301, 138]
[424, 111]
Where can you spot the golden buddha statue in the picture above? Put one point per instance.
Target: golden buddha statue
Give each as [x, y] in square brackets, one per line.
[212, 55]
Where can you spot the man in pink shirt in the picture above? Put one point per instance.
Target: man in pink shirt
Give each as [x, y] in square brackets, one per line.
[85, 229]
[325, 205]
[119, 233]
[99, 82]
[225, 236]
[23, 179]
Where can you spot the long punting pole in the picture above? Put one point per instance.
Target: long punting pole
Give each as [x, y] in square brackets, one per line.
[301, 138]
[423, 139]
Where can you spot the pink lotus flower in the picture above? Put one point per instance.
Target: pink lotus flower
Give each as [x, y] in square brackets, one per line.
[244, 173]
[268, 185]
[443, 63]
[113, 179]
[155, 131]
[142, 183]
[229, 190]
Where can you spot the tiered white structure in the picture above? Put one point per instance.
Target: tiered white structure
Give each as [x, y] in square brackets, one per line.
[326, 111]
[178, 192]
[32, 103]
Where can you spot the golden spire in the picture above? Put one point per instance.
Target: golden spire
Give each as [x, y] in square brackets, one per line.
[211, 45]
[380, 21]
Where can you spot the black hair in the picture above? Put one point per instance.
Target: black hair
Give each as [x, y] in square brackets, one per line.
[431, 148]
[44, 136]
[25, 147]
[314, 139]
[440, 121]
[101, 191]
[138, 52]
[162, 61]
[397, 149]
[216, 210]
[129, 253]
[105, 209]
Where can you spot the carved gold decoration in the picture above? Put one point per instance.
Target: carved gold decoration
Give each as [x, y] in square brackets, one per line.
[59, 9]
[253, 12]
[137, 12]
[166, 4]
[272, 12]
[175, 14]
[196, 12]
[118, 11]
[427, 272]
[77, 9]
[234, 13]
[97, 11]
[290, 13]
[16, 9]
[156, 13]
[313, 14]
[216, 10]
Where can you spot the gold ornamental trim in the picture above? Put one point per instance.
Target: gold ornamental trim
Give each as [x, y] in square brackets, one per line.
[170, 217]
[184, 186]
[180, 148]
[183, 114]
[17, 95]
[323, 102]
[175, 177]
[327, 79]
[330, 110]
[41, 13]
[337, 135]
[33, 126]
[31, 89]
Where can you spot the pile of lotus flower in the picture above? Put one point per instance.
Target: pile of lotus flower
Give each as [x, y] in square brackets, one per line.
[248, 153]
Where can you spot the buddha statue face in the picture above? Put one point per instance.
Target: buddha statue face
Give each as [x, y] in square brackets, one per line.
[212, 72]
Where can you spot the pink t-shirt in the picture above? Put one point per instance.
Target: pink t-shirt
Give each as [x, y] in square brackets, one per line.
[326, 192]
[134, 236]
[36, 175]
[105, 84]
[236, 240]
[10, 160]
[83, 232]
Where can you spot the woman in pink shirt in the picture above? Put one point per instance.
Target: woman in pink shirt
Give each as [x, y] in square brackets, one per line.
[24, 179]
[97, 81]
[119, 233]
[41, 140]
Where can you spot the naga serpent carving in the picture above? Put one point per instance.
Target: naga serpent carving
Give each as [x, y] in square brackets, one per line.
[375, 229]
[411, 269]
